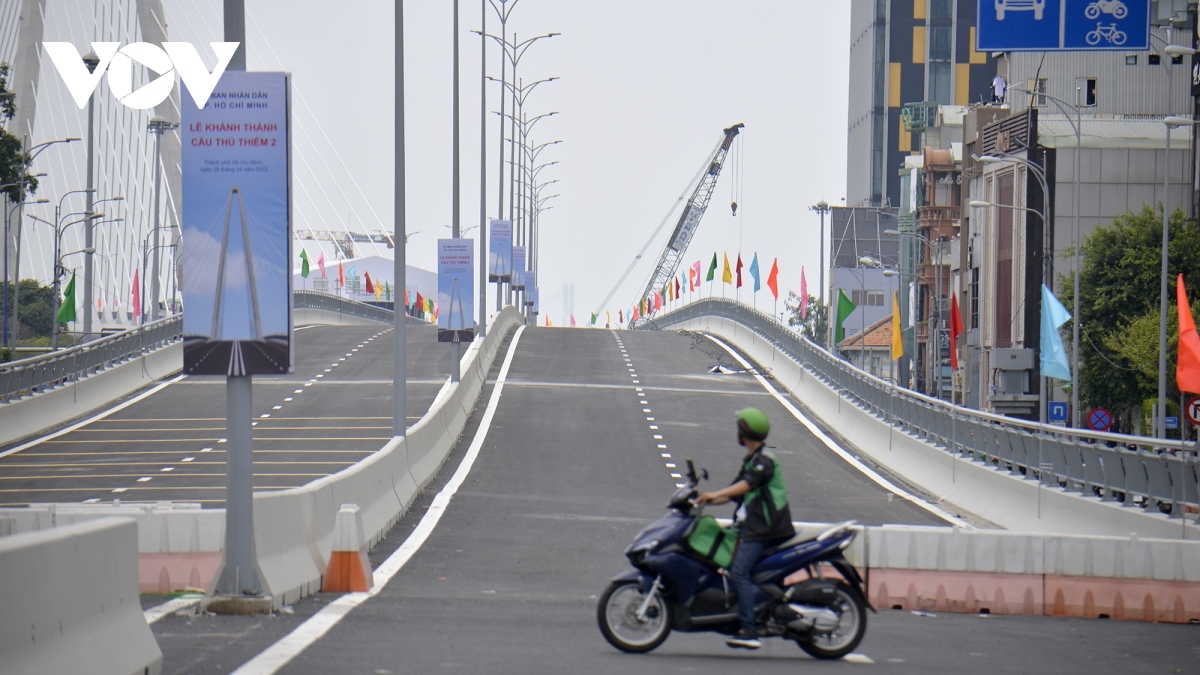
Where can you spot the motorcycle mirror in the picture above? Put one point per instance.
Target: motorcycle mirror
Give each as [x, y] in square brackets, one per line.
[691, 472]
[704, 473]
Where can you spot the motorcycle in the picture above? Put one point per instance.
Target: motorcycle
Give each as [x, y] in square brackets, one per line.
[673, 587]
[1116, 8]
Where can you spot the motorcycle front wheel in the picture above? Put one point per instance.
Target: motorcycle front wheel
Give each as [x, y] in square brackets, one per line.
[617, 615]
[842, 640]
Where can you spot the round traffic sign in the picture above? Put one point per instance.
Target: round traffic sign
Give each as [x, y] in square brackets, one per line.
[1193, 410]
[1100, 420]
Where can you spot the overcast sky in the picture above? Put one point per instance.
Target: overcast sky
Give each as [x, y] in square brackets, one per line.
[645, 90]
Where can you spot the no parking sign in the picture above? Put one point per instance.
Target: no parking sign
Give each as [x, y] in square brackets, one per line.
[1100, 420]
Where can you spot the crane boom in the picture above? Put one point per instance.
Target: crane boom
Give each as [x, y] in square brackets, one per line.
[685, 229]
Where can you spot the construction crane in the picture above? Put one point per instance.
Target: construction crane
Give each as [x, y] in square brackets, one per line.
[668, 263]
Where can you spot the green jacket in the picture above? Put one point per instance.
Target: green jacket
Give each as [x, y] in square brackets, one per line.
[763, 514]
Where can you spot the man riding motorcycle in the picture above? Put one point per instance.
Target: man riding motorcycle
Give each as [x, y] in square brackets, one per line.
[762, 517]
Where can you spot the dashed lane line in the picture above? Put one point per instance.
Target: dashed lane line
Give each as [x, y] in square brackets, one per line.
[279, 654]
[837, 449]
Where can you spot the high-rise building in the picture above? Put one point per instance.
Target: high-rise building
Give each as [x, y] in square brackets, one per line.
[905, 52]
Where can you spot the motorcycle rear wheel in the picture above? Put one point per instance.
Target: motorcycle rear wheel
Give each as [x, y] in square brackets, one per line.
[849, 632]
[616, 612]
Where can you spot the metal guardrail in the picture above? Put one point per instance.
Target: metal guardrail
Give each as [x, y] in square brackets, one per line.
[27, 377]
[345, 307]
[1158, 473]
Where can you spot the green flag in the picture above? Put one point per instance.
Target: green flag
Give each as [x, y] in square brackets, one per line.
[844, 308]
[593, 322]
[304, 263]
[66, 312]
[387, 291]
[712, 268]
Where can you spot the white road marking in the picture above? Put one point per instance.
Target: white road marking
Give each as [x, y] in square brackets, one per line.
[167, 468]
[654, 427]
[658, 437]
[646, 410]
[288, 647]
[298, 391]
[287, 400]
[120, 489]
[832, 445]
[93, 500]
[276, 407]
[96, 418]
[189, 459]
[144, 479]
[858, 658]
[171, 606]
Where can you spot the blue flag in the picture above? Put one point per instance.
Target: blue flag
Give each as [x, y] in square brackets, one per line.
[1054, 357]
[754, 273]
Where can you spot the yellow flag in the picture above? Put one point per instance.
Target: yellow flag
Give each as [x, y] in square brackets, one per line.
[727, 274]
[897, 334]
[607, 317]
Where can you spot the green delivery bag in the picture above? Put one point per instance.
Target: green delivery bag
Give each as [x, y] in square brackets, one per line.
[712, 542]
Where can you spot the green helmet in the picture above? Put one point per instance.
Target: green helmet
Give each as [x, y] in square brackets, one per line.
[753, 424]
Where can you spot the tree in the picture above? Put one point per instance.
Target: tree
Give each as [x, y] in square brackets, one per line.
[816, 325]
[1119, 305]
[14, 162]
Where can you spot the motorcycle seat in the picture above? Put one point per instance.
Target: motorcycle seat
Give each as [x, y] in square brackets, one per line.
[786, 543]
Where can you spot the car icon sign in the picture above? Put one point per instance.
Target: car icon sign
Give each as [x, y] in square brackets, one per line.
[1035, 6]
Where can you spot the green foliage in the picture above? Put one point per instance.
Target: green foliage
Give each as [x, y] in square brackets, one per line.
[1119, 305]
[13, 161]
[816, 325]
[34, 318]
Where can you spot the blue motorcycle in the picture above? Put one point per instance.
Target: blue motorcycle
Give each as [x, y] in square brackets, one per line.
[674, 586]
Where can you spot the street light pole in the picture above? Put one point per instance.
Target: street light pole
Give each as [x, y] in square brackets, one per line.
[158, 127]
[91, 61]
[455, 347]
[400, 236]
[822, 208]
[483, 257]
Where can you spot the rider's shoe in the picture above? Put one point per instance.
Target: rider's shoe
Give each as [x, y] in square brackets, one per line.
[743, 640]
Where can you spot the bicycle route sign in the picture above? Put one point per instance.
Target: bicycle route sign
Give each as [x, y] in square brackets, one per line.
[1063, 25]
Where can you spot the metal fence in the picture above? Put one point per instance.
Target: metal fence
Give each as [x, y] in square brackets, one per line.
[1134, 470]
[27, 377]
[345, 307]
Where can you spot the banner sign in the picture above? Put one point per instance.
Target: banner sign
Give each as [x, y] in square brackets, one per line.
[456, 290]
[500, 251]
[518, 268]
[237, 227]
[1063, 25]
[530, 287]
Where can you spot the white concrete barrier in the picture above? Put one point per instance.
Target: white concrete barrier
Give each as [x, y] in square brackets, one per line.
[53, 407]
[69, 602]
[997, 496]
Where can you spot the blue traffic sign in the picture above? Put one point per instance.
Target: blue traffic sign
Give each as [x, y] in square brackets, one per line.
[1100, 420]
[1063, 25]
[1056, 411]
[1172, 422]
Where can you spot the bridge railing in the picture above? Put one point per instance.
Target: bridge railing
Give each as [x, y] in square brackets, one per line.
[1157, 472]
[27, 377]
[344, 306]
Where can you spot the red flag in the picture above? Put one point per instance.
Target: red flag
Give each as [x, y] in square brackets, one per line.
[803, 296]
[637, 312]
[370, 287]
[773, 279]
[739, 271]
[341, 277]
[956, 329]
[137, 297]
[657, 301]
[1187, 366]
[677, 289]
[620, 316]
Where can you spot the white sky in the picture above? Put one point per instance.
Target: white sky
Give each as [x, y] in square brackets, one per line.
[645, 90]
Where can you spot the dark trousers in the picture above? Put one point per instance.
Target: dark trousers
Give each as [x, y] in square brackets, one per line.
[739, 571]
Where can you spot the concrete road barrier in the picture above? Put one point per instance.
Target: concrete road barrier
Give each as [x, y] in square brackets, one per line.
[1000, 497]
[69, 602]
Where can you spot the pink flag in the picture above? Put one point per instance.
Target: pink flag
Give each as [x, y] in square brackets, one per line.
[803, 295]
[137, 297]
[697, 277]
[321, 263]
[572, 320]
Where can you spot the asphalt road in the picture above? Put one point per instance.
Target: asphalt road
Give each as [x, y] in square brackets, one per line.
[571, 469]
[332, 411]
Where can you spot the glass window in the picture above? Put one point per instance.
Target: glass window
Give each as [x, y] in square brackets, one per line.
[939, 82]
[940, 9]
